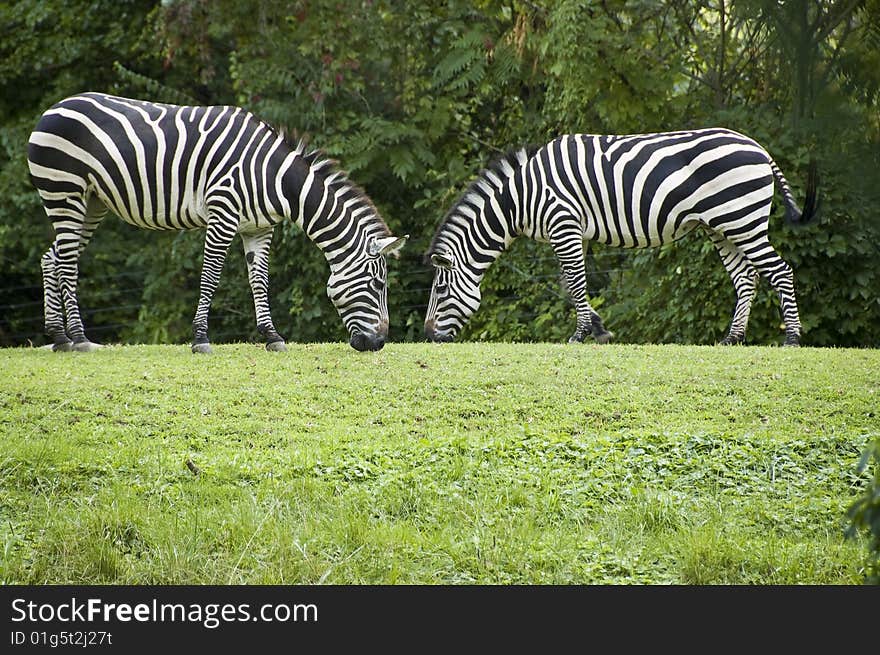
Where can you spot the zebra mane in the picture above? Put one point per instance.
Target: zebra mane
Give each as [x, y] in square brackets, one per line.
[327, 167]
[491, 178]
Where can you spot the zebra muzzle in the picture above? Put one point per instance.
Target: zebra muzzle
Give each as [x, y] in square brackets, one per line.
[364, 341]
[435, 335]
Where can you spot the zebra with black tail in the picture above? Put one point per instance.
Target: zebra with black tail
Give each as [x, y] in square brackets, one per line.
[218, 168]
[632, 191]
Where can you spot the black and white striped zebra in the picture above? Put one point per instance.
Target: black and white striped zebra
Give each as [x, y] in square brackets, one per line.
[630, 191]
[170, 167]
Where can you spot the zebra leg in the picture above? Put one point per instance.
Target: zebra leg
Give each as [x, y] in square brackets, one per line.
[256, 253]
[95, 213]
[780, 276]
[67, 268]
[570, 252]
[217, 239]
[744, 278]
[53, 307]
[75, 219]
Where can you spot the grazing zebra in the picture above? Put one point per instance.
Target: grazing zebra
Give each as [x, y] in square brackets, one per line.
[632, 191]
[169, 167]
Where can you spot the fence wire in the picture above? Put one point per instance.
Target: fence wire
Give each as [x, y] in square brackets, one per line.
[410, 296]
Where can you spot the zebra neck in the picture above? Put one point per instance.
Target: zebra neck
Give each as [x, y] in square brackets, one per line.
[332, 212]
[484, 242]
[526, 196]
[342, 233]
[478, 228]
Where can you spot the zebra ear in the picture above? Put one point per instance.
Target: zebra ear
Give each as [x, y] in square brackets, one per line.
[441, 260]
[387, 246]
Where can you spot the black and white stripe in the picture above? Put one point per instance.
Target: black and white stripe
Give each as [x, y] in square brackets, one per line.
[170, 167]
[632, 191]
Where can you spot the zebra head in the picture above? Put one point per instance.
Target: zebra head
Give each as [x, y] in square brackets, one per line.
[455, 295]
[357, 289]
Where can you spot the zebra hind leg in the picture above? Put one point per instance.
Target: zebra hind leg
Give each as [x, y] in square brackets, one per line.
[781, 278]
[53, 306]
[744, 278]
[761, 255]
[589, 323]
[74, 218]
[95, 213]
[745, 285]
[791, 318]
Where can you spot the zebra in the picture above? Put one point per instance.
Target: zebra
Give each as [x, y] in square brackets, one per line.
[631, 191]
[218, 168]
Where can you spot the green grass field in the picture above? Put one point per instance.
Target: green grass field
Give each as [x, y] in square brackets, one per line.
[434, 464]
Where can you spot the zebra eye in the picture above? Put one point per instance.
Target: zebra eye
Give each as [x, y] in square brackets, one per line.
[376, 284]
[442, 289]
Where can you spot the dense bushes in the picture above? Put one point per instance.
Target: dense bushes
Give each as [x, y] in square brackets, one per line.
[413, 101]
[864, 513]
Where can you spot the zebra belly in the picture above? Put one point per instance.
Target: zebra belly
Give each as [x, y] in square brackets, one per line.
[672, 230]
[187, 215]
[251, 224]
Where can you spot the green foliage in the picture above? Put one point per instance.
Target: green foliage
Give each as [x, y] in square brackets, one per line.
[611, 68]
[413, 99]
[150, 88]
[523, 298]
[52, 49]
[864, 513]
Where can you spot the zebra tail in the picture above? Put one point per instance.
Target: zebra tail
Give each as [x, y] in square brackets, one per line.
[793, 214]
[813, 200]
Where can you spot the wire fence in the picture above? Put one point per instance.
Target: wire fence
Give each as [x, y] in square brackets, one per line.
[104, 312]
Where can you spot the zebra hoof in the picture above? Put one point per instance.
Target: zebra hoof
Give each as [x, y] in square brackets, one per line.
[730, 341]
[575, 338]
[604, 337]
[63, 347]
[85, 346]
[276, 347]
[202, 348]
[792, 339]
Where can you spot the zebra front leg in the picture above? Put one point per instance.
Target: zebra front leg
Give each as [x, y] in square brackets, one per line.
[217, 239]
[256, 253]
[589, 322]
[570, 252]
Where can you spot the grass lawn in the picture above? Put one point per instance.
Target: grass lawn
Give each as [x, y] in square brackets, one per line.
[434, 464]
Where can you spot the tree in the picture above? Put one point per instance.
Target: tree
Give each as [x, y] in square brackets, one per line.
[51, 49]
[681, 293]
[414, 99]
